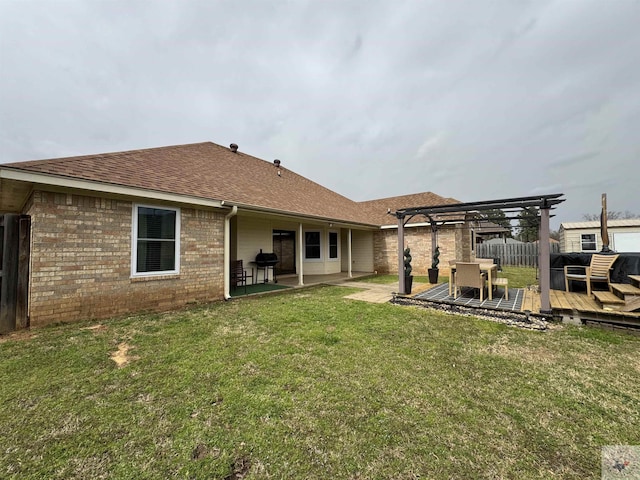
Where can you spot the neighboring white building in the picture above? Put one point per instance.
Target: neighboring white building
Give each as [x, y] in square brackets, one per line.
[624, 236]
[502, 241]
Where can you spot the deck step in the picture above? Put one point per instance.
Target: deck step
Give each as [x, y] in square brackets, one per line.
[624, 290]
[632, 305]
[609, 301]
[635, 280]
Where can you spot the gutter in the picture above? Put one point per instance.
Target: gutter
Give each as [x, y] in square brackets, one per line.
[304, 217]
[227, 251]
[64, 182]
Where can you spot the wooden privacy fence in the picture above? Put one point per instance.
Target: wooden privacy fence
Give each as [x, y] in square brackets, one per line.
[514, 254]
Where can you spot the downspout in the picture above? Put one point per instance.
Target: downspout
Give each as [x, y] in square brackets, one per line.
[227, 251]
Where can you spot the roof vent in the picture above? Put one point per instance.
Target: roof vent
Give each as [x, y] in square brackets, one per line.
[234, 148]
[276, 162]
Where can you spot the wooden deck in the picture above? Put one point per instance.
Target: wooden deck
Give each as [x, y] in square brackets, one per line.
[580, 308]
[531, 301]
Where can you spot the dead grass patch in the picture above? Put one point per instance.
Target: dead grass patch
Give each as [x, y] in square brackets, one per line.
[121, 356]
[17, 336]
[96, 328]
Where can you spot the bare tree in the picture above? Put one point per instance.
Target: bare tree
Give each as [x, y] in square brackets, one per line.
[611, 215]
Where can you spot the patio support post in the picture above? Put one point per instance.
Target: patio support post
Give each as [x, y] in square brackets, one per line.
[544, 260]
[300, 256]
[400, 255]
[227, 252]
[434, 235]
[349, 272]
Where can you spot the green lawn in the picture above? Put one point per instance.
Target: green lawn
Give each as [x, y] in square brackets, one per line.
[306, 384]
[519, 277]
[386, 279]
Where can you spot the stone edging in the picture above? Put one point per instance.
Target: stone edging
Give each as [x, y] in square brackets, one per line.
[527, 320]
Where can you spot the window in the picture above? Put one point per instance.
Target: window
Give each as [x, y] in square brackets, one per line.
[312, 245]
[333, 245]
[156, 241]
[588, 242]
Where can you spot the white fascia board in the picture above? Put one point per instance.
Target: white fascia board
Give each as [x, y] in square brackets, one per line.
[300, 217]
[93, 186]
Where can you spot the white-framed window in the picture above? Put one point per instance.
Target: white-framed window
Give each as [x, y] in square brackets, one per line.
[312, 245]
[155, 241]
[333, 245]
[588, 242]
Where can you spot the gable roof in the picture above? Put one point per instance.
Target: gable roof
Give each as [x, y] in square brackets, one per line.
[377, 209]
[502, 241]
[207, 171]
[485, 226]
[629, 222]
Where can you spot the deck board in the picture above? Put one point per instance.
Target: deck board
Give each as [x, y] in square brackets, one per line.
[531, 301]
[587, 308]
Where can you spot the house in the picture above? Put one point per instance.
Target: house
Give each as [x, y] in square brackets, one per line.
[502, 241]
[624, 236]
[454, 239]
[110, 234]
[484, 231]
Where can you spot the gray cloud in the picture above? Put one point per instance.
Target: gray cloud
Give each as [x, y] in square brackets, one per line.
[471, 100]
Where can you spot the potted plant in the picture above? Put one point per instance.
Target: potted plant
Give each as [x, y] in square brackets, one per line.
[408, 278]
[433, 271]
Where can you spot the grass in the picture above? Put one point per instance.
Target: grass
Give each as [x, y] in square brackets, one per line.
[387, 279]
[307, 384]
[519, 277]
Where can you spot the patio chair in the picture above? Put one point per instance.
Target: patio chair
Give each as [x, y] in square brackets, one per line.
[469, 275]
[239, 275]
[599, 270]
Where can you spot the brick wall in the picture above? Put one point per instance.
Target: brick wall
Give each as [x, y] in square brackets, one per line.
[81, 260]
[451, 240]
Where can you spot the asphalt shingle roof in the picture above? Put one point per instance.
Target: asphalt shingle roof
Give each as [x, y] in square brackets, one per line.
[209, 171]
[628, 222]
[213, 172]
[377, 209]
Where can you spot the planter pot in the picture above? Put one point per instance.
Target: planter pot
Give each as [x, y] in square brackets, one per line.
[408, 283]
[433, 275]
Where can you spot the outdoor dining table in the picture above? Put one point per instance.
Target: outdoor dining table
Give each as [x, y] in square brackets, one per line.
[490, 268]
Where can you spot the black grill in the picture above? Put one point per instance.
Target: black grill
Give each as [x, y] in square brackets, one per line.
[266, 261]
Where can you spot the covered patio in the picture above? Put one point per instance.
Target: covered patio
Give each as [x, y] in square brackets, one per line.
[293, 281]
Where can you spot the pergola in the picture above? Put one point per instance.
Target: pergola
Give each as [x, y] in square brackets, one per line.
[439, 215]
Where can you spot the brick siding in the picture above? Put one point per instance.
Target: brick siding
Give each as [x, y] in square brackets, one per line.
[454, 243]
[81, 260]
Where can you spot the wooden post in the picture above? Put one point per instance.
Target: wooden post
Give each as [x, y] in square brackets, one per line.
[400, 255]
[434, 238]
[24, 248]
[544, 261]
[8, 290]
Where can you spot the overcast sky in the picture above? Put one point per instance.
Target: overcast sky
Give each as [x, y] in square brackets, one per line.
[471, 99]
